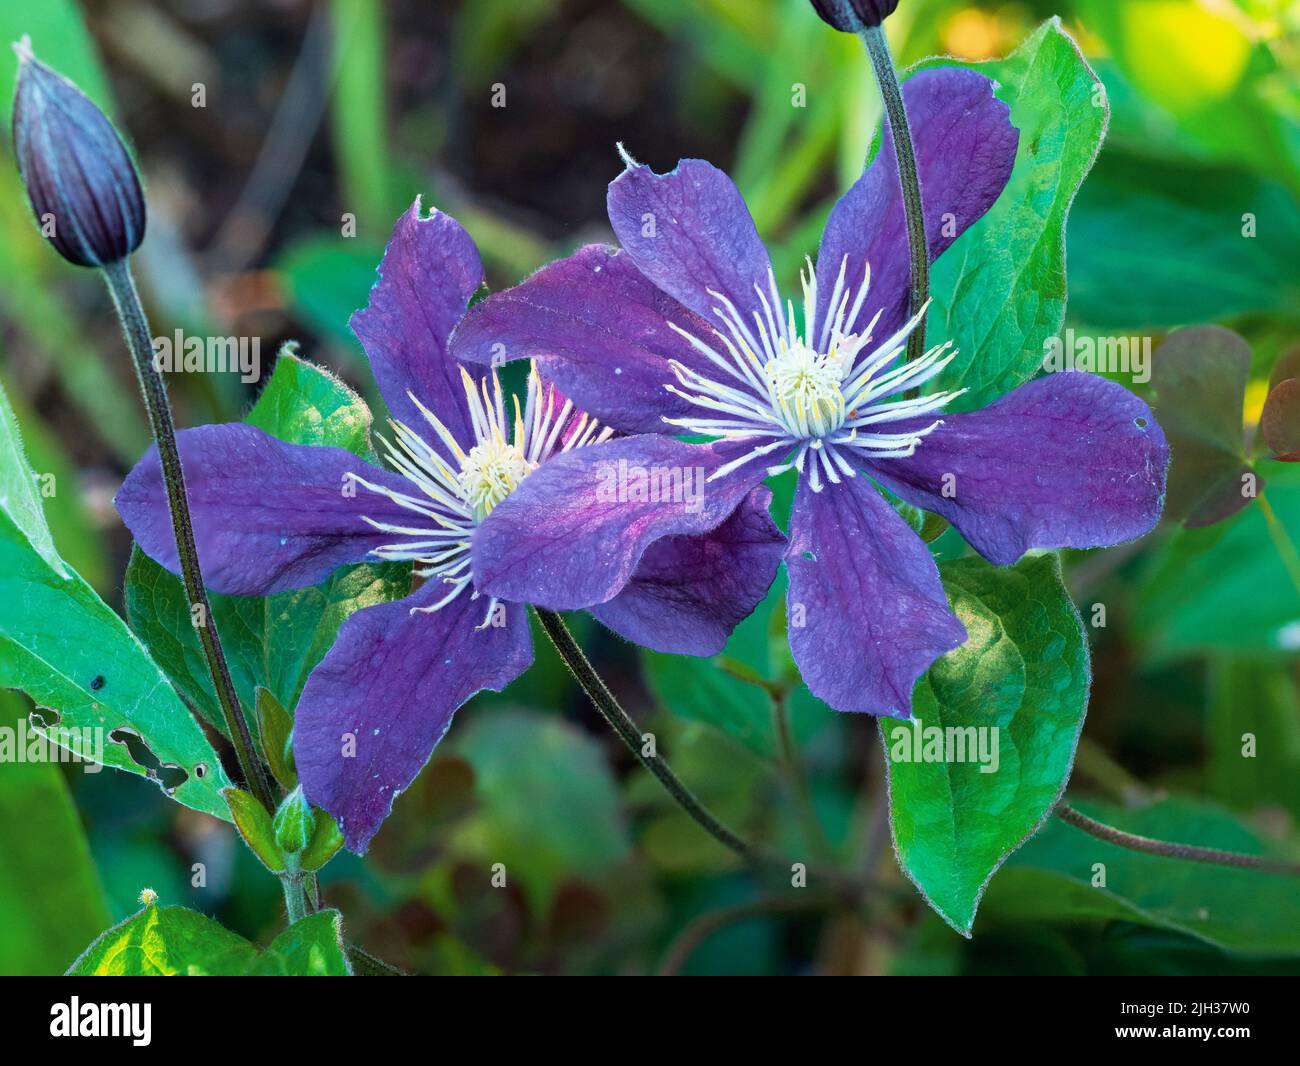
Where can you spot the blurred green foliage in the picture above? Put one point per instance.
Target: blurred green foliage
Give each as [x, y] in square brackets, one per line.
[1201, 629]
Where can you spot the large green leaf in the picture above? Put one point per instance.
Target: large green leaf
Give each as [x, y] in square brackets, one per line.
[273, 641]
[1021, 679]
[49, 890]
[166, 942]
[1052, 879]
[102, 695]
[176, 942]
[1000, 290]
[1225, 586]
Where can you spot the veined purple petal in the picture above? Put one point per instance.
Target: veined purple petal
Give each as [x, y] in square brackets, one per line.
[381, 699]
[691, 234]
[867, 612]
[268, 516]
[689, 592]
[965, 147]
[597, 328]
[430, 269]
[1069, 460]
[574, 532]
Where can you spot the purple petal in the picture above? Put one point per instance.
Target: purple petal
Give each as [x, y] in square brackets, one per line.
[965, 147]
[1066, 461]
[574, 532]
[598, 329]
[691, 234]
[381, 699]
[867, 612]
[689, 592]
[268, 516]
[429, 271]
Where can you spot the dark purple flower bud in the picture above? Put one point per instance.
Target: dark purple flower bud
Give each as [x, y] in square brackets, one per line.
[854, 16]
[81, 182]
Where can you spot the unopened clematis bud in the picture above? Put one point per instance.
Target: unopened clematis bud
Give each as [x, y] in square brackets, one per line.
[81, 182]
[293, 823]
[854, 16]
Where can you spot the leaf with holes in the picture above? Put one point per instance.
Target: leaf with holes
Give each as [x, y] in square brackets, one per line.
[994, 729]
[102, 695]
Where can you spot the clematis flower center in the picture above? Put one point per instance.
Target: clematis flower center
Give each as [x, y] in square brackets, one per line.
[490, 472]
[455, 484]
[820, 396]
[804, 387]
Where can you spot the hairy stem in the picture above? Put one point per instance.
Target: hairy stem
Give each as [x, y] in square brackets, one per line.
[139, 339]
[622, 724]
[882, 64]
[1173, 851]
[295, 897]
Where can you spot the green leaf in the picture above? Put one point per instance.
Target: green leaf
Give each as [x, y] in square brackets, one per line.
[176, 942]
[312, 947]
[549, 804]
[1000, 290]
[1225, 587]
[272, 641]
[254, 824]
[1156, 244]
[275, 731]
[19, 496]
[1052, 879]
[1253, 733]
[103, 697]
[305, 404]
[49, 889]
[326, 840]
[1021, 679]
[166, 942]
[75, 539]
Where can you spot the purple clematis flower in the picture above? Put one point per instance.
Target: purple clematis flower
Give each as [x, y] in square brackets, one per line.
[683, 330]
[271, 516]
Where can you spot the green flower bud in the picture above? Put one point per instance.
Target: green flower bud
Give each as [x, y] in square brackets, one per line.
[293, 823]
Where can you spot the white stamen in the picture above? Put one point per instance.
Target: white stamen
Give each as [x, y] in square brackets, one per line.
[458, 489]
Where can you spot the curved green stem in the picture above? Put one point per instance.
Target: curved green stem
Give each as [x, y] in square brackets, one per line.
[619, 720]
[139, 340]
[882, 64]
[1173, 851]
